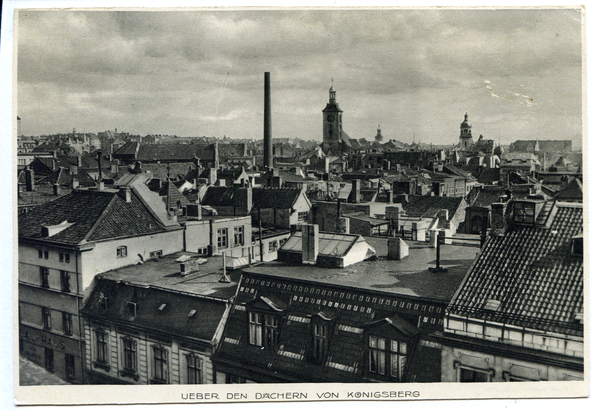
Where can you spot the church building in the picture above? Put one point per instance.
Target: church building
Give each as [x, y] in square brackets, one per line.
[335, 140]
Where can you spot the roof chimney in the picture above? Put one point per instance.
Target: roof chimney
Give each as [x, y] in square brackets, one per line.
[268, 138]
[310, 243]
[100, 179]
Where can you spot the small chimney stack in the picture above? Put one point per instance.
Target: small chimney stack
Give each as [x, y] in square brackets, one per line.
[56, 189]
[29, 180]
[100, 179]
[268, 138]
[125, 194]
[310, 243]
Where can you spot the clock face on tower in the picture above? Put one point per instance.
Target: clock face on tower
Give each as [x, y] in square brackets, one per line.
[330, 118]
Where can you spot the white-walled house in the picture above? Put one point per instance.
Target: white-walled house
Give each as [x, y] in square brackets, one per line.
[63, 244]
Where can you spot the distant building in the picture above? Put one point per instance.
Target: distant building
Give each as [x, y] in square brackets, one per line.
[465, 139]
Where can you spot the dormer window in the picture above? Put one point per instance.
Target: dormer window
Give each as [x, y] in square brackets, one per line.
[577, 245]
[263, 330]
[387, 357]
[524, 212]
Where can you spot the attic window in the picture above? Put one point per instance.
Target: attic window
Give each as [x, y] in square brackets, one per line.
[192, 313]
[492, 305]
[162, 307]
[156, 254]
[103, 301]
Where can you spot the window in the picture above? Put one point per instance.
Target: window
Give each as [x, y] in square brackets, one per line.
[155, 254]
[67, 323]
[238, 236]
[40, 253]
[49, 359]
[255, 329]
[61, 257]
[132, 309]
[65, 279]
[524, 212]
[282, 242]
[44, 273]
[264, 330]
[222, 238]
[67, 258]
[194, 369]
[203, 251]
[271, 331]
[121, 251]
[70, 366]
[234, 379]
[272, 246]
[387, 357]
[46, 255]
[129, 355]
[319, 342]
[46, 318]
[302, 216]
[103, 301]
[471, 375]
[101, 346]
[160, 365]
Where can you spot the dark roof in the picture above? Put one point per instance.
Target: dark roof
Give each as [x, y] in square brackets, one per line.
[175, 317]
[531, 272]
[278, 198]
[491, 194]
[489, 175]
[429, 206]
[218, 196]
[93, 215]
[175, 197]
[370, 296]
[573, 191]
[172, 152]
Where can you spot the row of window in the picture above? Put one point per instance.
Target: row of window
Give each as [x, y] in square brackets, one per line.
[386, 357]
[65, 279]
[67, 321]
[62, 257]
[159, 365]
[223, 237]
[69, 363]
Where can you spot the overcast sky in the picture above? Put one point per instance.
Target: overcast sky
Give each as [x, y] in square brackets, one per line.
[415, 72]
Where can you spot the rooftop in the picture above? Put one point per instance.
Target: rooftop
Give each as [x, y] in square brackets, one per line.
[164, 272]
[409, 276]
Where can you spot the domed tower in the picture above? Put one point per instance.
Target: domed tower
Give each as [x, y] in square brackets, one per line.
[332, 125]
[466, 139]
[378, 137]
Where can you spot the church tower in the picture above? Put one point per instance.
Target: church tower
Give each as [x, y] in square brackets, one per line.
[466, 139]
[332, 125]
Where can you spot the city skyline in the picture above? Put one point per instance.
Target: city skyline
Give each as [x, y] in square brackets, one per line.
[415, 72]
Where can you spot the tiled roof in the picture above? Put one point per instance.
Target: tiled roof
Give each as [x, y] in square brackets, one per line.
[174, 318]
[94, 215]
[531, 272]
[573, 191]
[174, 195]
[429, 206]
[173, 152]
[489, 175]
[278, 198]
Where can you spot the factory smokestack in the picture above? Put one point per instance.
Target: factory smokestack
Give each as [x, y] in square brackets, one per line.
[268, 138]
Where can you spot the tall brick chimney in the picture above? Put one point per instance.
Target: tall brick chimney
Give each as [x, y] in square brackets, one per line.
[268, 138]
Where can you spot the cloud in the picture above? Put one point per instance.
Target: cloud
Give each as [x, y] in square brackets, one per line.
[411, 70]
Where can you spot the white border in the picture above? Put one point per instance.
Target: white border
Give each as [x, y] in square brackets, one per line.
[6, 124]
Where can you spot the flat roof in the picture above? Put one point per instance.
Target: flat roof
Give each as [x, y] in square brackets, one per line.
[409, 276]
[164, 272]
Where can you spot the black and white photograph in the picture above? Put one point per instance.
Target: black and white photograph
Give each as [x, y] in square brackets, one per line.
[299, 204]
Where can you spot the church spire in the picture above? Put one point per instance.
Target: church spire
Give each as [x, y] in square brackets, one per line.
[332, 93]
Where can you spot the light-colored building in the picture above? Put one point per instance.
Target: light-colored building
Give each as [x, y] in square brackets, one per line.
[63, 244]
